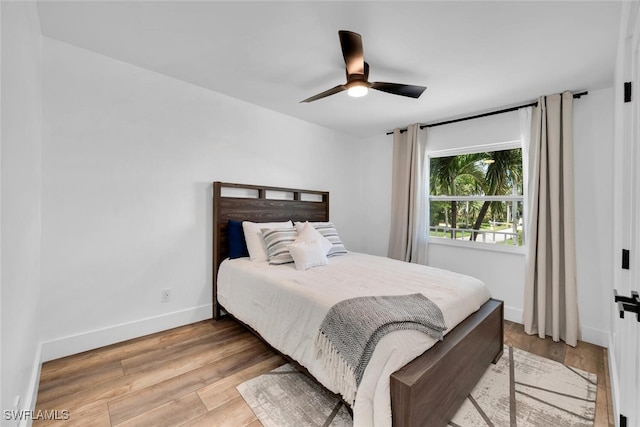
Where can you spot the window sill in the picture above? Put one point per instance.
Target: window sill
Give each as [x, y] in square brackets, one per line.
[520, 250]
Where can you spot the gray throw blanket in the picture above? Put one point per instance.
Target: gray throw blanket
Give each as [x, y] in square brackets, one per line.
[352, 328]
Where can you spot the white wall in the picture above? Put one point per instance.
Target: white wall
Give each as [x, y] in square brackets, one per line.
[594, 169]
[128, 160]
[486, 130]
[20, 179]
[374, 215]
[504, 272]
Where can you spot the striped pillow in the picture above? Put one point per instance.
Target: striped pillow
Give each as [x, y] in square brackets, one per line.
[278, 241]
[328, 230]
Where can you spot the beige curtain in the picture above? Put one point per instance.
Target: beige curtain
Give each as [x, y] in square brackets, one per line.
[550, 306]
[408, 236]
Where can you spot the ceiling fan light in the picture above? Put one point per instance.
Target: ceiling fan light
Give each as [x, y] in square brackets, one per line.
[357, 90]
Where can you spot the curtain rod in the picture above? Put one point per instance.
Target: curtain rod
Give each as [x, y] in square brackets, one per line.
[491, 113]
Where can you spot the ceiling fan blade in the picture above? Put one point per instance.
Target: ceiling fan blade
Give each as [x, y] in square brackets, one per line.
[352, 51]
[366, 72]
[326, 93]
[399, 89]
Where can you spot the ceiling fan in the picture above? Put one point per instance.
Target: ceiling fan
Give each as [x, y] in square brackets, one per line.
[358, 73]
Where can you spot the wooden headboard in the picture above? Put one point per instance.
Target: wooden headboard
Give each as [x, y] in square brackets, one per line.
[258, 203]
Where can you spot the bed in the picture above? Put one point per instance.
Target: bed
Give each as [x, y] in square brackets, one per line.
[426, 389]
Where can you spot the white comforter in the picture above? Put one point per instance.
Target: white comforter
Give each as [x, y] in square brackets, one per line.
[287, 306]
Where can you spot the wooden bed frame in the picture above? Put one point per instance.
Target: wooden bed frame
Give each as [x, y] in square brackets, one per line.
[427, 391]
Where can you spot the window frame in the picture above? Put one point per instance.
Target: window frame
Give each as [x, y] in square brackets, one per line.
[499, 146]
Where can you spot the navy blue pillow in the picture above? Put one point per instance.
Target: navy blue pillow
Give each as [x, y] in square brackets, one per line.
[235, 236]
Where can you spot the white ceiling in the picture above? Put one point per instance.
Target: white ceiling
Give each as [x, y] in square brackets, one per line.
[472, 56]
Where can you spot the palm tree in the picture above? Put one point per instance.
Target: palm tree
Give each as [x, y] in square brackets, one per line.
[504, 173]
[448, 174]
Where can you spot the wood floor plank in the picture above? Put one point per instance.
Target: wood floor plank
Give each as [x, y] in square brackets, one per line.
[163, 355]
[176, 412]
[515, 336]
[548, 348]
[149, 377]
[151, 397]
[95, 415]
[605, 358]
[68, 365]
[234, 413]
[584, 356]
[224, 390]
[602, 418]
[81, 380]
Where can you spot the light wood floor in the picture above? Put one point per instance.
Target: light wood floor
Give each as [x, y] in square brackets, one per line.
[188, 376]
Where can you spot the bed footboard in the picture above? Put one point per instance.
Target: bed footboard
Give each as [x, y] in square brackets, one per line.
[429, 390]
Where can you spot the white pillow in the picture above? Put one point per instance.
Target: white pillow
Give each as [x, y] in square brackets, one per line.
[308, 254]
[328, 230]
[278, 241]
[307, 233]
[255, 242]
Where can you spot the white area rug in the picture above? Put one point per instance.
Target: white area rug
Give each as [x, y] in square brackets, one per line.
[285, 397]
[522, 389]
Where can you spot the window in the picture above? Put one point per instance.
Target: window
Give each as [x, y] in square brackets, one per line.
[477, 196]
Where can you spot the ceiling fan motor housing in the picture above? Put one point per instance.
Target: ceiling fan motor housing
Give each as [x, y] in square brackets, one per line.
[357, 80]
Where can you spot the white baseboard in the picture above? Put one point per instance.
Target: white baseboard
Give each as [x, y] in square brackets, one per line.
[590, 335]
[73, 344]
[595, 336]
[513, 314]
[30, 397]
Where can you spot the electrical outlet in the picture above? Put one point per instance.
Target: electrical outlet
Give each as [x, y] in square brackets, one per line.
[165, 295]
